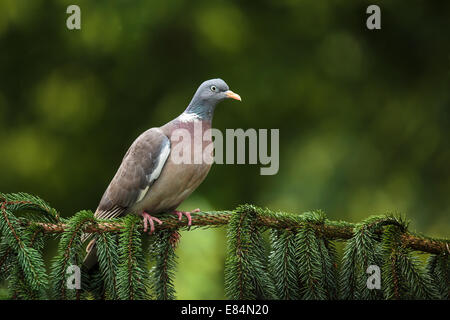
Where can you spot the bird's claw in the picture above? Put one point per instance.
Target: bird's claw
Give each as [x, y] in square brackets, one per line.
[148, 219]
[187, 214]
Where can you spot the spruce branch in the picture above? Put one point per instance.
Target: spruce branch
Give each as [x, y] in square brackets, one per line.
[301, 263]
[108, 257]
[328, 256]
[20, 242]
[263, 281]
[131, 277]
[282, 263]
[332, 230]
[438, 268]
[238, 282]
[162, 250]
[5, 259]
[246, 271]
[361, 251]
[404, 277]
[309, 260]
[69, 253]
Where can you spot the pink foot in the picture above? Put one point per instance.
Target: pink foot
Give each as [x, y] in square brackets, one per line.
[148, 219]
[187, 214]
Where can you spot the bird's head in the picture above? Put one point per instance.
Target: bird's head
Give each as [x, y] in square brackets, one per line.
[208, 94]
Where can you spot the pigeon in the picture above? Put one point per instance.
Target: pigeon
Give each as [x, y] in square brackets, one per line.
[151, 178]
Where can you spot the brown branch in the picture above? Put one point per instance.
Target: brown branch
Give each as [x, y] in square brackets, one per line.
[423, 244]
[330, 229]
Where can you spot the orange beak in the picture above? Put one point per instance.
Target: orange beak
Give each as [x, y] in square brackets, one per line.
[232, 95]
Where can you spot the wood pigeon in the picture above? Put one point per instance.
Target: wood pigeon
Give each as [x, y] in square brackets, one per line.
[150, 180]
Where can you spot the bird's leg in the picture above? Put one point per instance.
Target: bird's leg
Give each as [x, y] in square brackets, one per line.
[149, 219]
[187, 214]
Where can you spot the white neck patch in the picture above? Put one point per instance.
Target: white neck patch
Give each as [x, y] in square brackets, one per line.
[187, 117]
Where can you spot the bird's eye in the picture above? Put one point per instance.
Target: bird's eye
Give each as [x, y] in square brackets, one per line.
[213, 88]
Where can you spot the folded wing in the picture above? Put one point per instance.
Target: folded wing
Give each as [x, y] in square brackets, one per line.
[140, 168]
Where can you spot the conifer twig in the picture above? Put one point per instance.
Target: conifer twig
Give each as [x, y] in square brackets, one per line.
[332, 230]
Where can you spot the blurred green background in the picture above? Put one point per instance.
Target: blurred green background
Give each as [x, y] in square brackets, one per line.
[363, 115]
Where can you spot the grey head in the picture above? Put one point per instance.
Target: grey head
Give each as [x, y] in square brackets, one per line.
[207, 96]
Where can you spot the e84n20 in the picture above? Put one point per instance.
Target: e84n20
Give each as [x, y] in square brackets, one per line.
[246, 309]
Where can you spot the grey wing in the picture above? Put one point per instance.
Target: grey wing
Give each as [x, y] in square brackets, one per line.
[140, 167]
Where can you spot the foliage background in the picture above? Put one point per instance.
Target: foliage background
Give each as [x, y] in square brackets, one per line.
[363, 115]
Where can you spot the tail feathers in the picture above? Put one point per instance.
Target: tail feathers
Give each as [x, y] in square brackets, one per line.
[85, 236]
[90, 260]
